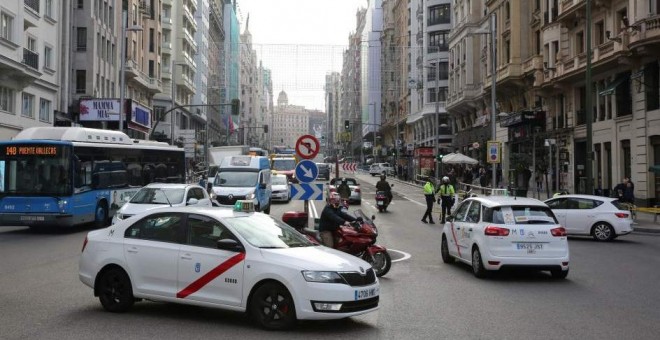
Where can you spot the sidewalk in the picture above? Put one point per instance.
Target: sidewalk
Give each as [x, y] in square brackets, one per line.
[644, 222]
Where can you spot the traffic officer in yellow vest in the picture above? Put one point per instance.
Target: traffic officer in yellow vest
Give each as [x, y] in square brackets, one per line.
[447, 192]
[429, 194]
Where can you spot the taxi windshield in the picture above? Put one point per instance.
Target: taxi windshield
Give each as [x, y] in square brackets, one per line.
[263, 231]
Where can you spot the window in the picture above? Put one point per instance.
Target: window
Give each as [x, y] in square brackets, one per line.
[48, 57]
[6, 99]
[444, 72]
[652, 86]
[44, 110]
[28, 105]
[473, 213]
[151, 40]
[81, 39]
[81, 3]
[206, 232]
[48, 8]
[159, 113]
[438, 41]
[579, 42]
[81, 81]
[600, 33]
[163, 227]
[6, 26]
[439, 15]
[442, 97]
[461, 211]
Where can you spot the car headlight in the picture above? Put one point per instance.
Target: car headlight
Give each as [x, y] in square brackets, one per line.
[250, 196]
[323, 277]
[213, 195]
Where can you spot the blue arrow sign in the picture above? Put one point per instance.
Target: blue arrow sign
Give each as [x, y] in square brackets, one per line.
[306, 171]
[307, 191]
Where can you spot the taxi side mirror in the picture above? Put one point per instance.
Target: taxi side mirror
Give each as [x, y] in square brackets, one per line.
[192, 201]
[230, 244]
[449, 218]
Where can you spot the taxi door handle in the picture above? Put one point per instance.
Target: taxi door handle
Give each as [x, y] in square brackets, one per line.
[470, 229]
[132, 250]
[186, 257]
[458, 228]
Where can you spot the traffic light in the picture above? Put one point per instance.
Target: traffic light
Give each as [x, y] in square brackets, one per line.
[439, 157]
[235, 105]
[347, 125]
[265, 128]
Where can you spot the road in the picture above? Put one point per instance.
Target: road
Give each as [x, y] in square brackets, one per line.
[611, 292]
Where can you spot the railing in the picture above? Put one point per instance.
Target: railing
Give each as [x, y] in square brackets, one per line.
[31, 59]
[33, 4]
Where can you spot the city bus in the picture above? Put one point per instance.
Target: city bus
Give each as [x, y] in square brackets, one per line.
[67, 176]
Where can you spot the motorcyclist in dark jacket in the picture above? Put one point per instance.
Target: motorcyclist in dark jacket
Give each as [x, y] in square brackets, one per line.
[383, 185]
[331, 219]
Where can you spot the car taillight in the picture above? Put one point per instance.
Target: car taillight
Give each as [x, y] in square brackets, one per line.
[621, 215]
[84, 244]
[357, 189]
[496, 231]
[561, 231]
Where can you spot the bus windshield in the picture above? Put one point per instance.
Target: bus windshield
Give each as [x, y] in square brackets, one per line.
[284, 164]
[35, 169]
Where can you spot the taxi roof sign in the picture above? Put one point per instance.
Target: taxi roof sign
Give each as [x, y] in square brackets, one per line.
[244, 206]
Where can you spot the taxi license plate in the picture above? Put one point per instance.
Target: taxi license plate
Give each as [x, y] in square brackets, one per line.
[361, 294]
[381, 202]
[529, 246]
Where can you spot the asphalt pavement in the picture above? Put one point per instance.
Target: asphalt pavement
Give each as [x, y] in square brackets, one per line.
[644, 222]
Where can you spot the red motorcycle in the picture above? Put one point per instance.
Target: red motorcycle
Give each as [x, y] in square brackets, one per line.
[359, 239]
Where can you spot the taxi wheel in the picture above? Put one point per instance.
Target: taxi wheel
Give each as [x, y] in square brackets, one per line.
[115, 291]
[272, 307]
[602, 231]
[559, 274]
[444, 250]
[478, 268]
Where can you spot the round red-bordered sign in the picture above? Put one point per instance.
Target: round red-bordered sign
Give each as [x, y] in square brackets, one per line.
[307, 147]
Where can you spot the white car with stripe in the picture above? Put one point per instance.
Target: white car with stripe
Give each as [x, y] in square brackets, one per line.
[218, 257]
[495, 232]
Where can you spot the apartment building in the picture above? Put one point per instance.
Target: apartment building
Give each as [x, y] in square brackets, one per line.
[30, 64]
[334, 123]
[289, 122]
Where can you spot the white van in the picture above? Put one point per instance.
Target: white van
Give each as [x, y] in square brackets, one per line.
[243, 178]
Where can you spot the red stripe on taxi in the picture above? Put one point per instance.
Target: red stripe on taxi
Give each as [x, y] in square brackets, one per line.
[208, 277]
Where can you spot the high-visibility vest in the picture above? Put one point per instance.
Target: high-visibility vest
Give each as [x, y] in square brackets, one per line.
[428, 188]
[447, 190]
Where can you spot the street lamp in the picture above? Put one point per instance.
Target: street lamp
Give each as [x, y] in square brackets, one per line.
[122, 90]
[549, 143]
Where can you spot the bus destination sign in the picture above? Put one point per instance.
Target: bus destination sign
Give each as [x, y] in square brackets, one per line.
[31, 151]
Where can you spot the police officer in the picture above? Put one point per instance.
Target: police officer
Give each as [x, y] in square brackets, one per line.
[429, 194]
[447, 192]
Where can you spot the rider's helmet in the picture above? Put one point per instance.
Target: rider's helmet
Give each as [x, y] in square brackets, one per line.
[334, 199]
[382, 177]
[445, 179]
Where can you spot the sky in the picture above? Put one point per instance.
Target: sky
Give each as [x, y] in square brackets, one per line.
[300, 41]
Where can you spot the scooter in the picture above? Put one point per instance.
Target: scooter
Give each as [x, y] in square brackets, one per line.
[382, 201]
[359, 239]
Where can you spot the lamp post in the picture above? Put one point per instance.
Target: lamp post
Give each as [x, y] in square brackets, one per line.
[122, 89]
[493, 92]
[373, 147]
[549, 143]
[536, 129]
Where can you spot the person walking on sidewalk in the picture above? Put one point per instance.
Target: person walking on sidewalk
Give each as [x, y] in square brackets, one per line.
[446, 200]
[429, 194]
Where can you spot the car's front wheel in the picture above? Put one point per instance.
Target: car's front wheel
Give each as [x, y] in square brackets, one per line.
[272, 307]
[115, 290]
[444, 250]
[603, 231]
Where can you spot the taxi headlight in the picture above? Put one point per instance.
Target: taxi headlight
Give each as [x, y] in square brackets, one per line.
[323, 277]
[213, 195]
[250, 196]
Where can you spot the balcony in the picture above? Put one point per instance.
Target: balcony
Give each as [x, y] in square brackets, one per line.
[571, 11]
[166, 23]
[31, 59]
[166, 48]
[648, 37]
[532, 64]
[131, 69]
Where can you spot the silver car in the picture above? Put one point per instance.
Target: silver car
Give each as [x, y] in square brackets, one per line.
[356, 193]
[281, 188]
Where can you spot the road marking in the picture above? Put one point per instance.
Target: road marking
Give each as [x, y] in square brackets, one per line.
[405, 255]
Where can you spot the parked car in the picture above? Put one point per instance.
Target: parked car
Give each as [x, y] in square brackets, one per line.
[603, 218]
[158, 195]
[495, 232]
[281, 188]
[356, 193]
[232, 259]
[378, 169]
[324, 170]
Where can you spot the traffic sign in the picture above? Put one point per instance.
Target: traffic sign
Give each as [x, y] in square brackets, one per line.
[307, 191]
[307, 147]
[306, 171]
[494, 151]
[349, 166]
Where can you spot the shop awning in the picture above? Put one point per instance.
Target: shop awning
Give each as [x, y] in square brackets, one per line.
[611, 87]
[655, 168]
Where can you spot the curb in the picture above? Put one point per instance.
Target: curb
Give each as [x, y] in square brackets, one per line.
[646, 230]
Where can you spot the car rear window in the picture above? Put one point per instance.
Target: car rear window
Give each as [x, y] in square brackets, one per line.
[519, 215]
[620, 205]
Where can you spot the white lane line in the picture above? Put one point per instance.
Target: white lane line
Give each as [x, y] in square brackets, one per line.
[405, 255]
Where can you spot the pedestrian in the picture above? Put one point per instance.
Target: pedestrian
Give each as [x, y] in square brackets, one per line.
[429, 194]
[483, 180]
[446, 200]
[629, 191]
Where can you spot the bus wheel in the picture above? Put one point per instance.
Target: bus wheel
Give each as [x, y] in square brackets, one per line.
[101, 215]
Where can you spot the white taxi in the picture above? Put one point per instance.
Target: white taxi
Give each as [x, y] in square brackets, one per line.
[491, 233]
[224, 258]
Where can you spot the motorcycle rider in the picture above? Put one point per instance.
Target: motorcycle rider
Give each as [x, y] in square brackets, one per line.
[447, 192]
[331, 219]
[382, 185]
[344, 190]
